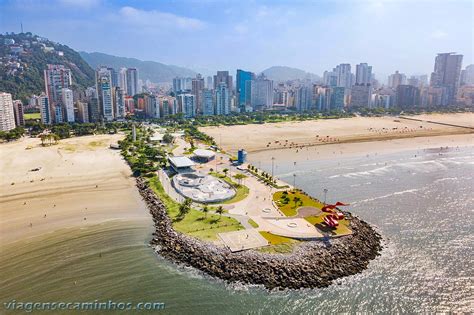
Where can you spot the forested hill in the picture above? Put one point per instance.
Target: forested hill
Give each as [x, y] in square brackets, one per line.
[22, 64]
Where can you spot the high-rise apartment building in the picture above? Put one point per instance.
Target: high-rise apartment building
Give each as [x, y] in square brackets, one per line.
[261, 93]
[45, 109]
[105, 93]
[304, 98]
[181, 85]
[207, 102]
[187, 105]
[152, 107]
[7, 116]
[344, 75]
[467, 75]
[197, 85]
[396, 79]
[119, 103]
[361, 95]
[222, 99]
[56, 78]
[68, 105]
[447, 71]
[19, 113]
[131, 75]
[223, 77]
[82, 112]
[407, 96]
[363, 74]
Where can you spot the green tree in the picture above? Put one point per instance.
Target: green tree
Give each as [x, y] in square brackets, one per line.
[220, 211]
[184, 208]
[205, 209]
[239, 177]
[296, 200]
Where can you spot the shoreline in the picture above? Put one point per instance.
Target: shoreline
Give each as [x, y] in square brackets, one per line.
[311, 265]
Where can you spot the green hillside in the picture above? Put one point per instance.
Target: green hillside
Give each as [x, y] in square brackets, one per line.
[22, 73]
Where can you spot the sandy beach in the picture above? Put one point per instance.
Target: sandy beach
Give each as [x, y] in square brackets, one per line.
[369, 133]
[80, 182]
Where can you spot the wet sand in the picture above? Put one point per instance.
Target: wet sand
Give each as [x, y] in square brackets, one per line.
[80, 183]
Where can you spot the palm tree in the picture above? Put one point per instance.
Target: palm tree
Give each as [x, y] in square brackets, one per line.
[205, 209]
[239, 177]
[184, 207]
[225, 170]
[43, 138]
[55, 138]
[296, 200]
[219, 211]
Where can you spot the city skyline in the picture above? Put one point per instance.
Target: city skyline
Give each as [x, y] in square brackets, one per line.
[256, 35]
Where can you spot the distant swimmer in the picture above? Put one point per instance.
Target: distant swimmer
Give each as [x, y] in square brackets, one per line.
[96, 186]
[31, 225]
[24, 203]
[85, 218]
[45, 215]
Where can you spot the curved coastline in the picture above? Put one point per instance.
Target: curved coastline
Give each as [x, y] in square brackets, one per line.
[311, 265]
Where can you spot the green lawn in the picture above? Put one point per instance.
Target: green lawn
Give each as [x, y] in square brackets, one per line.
[195, 223]
[253, 223]
[278, 244]
[32, 116]
[290, 208]
[241, 191]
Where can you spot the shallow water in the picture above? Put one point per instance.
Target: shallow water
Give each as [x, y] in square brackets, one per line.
[422, 206]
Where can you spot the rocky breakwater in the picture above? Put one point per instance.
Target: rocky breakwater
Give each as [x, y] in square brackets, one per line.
[311, 265]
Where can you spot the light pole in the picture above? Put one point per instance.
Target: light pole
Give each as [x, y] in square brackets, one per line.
[294, 181]
[325, 194]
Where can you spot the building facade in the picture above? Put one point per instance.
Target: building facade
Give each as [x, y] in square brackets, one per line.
[7, 116]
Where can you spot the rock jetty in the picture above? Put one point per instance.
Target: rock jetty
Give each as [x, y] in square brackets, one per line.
[311, 265]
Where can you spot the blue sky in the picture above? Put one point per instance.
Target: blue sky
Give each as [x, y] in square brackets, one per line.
[209, 34]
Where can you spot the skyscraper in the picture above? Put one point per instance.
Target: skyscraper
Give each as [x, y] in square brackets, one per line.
[119, 103]
[447, 71]
[152, 107]
[304, 98]
[68, 105]
[223, 77]
[222, 99]
[45, 109]
[180, 85]
[361, 95]
[207, 102]
[132, 81]
[19, 113]
[467, 77]
[407, 96]
[7, 117]
[344, 75]
[187, 105]
[197, 85]
[396, 79]
[363, 74]
[242, 88]
[261, 96]
[105, 93]
[56, 77]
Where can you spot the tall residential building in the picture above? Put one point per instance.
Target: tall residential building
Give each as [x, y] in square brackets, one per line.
[338, 98]
[209, 83]
[467, 77]
[197, 85]
[223, 77]
[152, 106]
[207, 102]
[68, 105]
[242, 87]
[82, 112]
[19, 113]
[330, 78]
[187, 105]
[94, 109]
[363, 74]
[7, 117]
[407, 96]
[167, 106]
[131, 75]
[344, 75]
[122, 79]
[222, 99]
[361, 95]
[181, 85]
[56, 77]
[304, 98]
[261, 93]
[58, 114]
[45, 109]
[119, 103]
[396, 79]
[447, 71]
[103, 79]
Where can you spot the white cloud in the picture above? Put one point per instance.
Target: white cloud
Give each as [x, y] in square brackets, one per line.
[159, 19]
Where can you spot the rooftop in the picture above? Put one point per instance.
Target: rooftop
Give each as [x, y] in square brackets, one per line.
[204, 153]
[181, 161]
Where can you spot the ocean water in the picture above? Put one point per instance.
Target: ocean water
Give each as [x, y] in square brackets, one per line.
[421, 202]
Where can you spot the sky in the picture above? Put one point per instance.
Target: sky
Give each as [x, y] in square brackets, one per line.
[210, 35]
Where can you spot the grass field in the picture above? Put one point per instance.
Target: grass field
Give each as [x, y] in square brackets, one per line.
[195, 223]
[290, 208]
[29, 116]
[278, 244]
[241, 191]
[253, 223]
